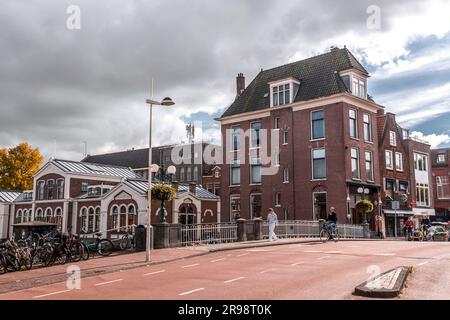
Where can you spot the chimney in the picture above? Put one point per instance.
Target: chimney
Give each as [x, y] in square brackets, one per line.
[192, 187]
[380, 112]
[240, 84]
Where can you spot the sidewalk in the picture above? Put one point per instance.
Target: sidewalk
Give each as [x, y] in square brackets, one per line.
[99, 265]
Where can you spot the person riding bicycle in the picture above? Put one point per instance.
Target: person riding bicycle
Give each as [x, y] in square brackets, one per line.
[409, 225]
[425, 224]
[331, 221]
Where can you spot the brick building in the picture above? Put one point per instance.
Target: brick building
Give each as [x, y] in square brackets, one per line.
[211, 181]
[327, 152]
[81, 196]
[6, 200]
[441, 180]
[405, 173]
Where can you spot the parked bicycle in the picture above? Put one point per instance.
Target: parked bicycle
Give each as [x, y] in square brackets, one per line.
[102, 246]
[327, 233]
[127, 240]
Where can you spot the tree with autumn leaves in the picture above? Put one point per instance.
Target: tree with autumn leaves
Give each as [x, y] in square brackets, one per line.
[18, 166]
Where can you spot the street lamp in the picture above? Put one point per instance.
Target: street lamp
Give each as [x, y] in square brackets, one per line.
[165, 102]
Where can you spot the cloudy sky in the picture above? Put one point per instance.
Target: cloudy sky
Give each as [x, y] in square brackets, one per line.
[61, 86]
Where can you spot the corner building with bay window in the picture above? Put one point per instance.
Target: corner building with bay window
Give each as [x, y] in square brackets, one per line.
[327, 154]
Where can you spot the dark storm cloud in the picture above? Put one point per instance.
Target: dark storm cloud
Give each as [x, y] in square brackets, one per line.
[89, 85]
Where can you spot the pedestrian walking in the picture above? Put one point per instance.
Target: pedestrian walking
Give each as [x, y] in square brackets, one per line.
[379, 225]
[272, 219]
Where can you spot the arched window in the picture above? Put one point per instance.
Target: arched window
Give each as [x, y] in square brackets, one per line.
[39, 215]
[123, 217]
[91, 219]
[58, 218]
[83, 220]
[40, 190]
[26, 215]
[19, 216]
[60, 188]
[48, 215]
[97, 219]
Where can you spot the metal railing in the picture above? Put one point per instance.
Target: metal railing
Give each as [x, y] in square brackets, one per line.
[309, 229]
[206, 233]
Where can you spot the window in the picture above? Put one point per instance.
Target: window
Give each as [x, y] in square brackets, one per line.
[389, 164]
[217, 174]
[286, 175]
[255, 205]
[389, 188]
[48, 215]
[422, 195]
[50, 187]
[285, 137]
[255, 171]
[319, 165]
[123, 217]
[359, 87]
[188, 174]
[367, 128]
[217, 189]
[19, 216]
[405, 133]
[420, 162]
[399, 161]
[60, 188]
[281, 94]
[97, 220]
[84, 222]
[195, 173]
[235, 168]
[40, 193]
[443, 187]
[58, 218]
[39, 215]
[235, 138]
[441, 158]
[403, 186]
[353, 123]
[392, 138]
[277, 199]
[369, 166]
[84, 186]
[181, 174]
[91, 217]
[235, 207]
[317, 125]
[210, 187]
[255, 129]
[277, 123]
[355, 163]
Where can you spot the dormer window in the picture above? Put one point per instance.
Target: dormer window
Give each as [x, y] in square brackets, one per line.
[356, 84]
[283, 91]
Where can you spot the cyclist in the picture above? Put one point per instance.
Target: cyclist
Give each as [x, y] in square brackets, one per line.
[331, 221]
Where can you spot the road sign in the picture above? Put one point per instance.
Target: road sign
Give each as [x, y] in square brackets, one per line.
[395, 205]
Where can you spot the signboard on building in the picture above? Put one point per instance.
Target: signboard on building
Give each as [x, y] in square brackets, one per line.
[395, 205]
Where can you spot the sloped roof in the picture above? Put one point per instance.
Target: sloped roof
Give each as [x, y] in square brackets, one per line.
[135, 159]
[8, 196]
[142, 187]
[318, 76]
[94, 169]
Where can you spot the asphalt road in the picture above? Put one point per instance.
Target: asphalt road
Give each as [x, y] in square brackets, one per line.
[295, 271]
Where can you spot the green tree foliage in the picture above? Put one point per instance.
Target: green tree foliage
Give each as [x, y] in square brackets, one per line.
[18, 166]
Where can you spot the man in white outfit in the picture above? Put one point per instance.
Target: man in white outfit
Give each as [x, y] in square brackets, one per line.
[273, 222]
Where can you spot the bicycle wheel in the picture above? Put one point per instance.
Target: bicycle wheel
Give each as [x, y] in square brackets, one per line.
[125, 243]
[336, 235]
[105, 247]
[85, 253]
[324, 235]
[76, 252]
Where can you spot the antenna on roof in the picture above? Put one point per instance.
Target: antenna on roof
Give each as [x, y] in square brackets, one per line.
[85, 153]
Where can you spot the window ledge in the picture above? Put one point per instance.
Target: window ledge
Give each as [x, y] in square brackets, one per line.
[321, 179]
[255, 184]
[285, 182]
[285, 144]
[356, 139]
[356, 179]
[369, 142]
[234, 185]
[318, 139]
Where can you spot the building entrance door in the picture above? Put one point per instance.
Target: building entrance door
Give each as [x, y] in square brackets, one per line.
[320, 205]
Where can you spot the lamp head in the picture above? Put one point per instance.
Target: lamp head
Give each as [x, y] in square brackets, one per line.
[167, 102]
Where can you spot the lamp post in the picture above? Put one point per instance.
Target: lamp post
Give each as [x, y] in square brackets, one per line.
[363, 191]
[165, 102]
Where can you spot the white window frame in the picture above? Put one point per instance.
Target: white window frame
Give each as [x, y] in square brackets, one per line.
[424, 166]
[367, 124]
[285, 137]
[357, 163]
[286, 175]
[258, 142]
[312, 163]
[252, 214]
[312, 126]
[277, 123]
[277, 199]
[235, 164]
[399, 161]
[393, 138]
[440, 158]
[391, 167]
[232, 197]
[441, 182]
[421, 202]
[351, 120]
[254, 162]
[371, 165]
[235, 131]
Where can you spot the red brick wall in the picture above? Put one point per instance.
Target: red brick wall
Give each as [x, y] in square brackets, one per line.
[442, 206]
[75, 185]
[50, 176]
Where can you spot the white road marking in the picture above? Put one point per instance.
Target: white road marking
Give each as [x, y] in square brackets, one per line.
[108, 282]
[324, 257]
[191, 265]
[218, 260]
[312, 251]
[150, 273]
[332, 251]
[233, 280]
[243, 254]
[297, 263]
[50, 294]
[354, 246]
[422, 263]
[384, 254]
[268, 270]
[192, 291]
[258, 250]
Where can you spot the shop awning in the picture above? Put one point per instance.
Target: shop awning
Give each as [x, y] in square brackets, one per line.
[398, 213]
